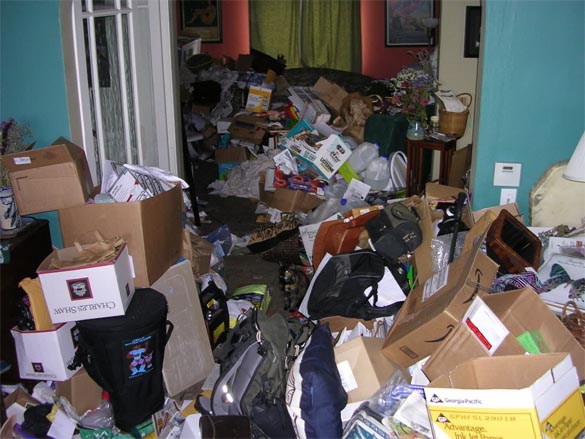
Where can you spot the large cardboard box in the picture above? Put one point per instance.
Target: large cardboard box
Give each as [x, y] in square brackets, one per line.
[492, 325]
[49, 178]
[362, 367]
[44, 355]
[81, 391]
[89, 291]
[511, 397]
[330, 93]
[432, 310]
[288, 200]
[152, 228]
[17, 403]
[188, 356]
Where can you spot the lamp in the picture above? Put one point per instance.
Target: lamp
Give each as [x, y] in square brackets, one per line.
[430, 23]
[575, 170]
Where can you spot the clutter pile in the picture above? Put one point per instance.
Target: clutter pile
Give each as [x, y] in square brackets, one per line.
[404, 317]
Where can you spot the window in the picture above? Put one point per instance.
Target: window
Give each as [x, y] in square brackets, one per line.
[121, 66]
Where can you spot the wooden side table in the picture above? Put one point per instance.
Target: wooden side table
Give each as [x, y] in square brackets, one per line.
[416, 151]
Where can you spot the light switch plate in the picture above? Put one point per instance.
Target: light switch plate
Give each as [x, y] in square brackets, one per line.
[507, 174]
[507, 196]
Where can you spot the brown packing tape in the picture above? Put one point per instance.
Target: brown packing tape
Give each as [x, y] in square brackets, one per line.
[38, 305]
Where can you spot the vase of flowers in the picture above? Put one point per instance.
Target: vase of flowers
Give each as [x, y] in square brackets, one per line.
[13, 139]
[415, 130]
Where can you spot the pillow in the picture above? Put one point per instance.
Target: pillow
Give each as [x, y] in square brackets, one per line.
[314, 393]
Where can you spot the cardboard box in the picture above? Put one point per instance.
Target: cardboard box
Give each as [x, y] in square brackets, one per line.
[512, 208]
[233, 154]
[44, 355]
[89, 291]
[49, 178]
[152, 229]
[198, 251]
[288, 200]
[511, 397]
[330, 93]
[188, 356]
[479, 334]
[362, 367]
[247, 130]
[432, 310]
[258, 99]
[16, 404]
[81, 391]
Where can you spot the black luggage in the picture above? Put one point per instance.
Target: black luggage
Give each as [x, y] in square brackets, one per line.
[125, 354]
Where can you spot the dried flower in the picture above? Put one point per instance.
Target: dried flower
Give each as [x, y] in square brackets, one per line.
[13, 138]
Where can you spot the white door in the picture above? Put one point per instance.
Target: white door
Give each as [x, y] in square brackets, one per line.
[121, 69]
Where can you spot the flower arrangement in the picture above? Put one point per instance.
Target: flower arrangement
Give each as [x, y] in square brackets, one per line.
[13, 138]
[412, 90]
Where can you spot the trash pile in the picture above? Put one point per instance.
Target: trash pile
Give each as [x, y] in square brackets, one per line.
[404, 317]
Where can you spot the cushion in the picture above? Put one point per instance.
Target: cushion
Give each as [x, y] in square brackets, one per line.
[314, 394]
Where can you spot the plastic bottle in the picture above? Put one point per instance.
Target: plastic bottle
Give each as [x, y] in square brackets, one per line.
[361, 157]
[377, 173]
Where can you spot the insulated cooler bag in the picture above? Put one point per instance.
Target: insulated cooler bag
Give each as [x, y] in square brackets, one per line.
[124, 355]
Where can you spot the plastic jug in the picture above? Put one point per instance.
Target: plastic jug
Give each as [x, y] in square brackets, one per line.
[361, 157]
[377, 173]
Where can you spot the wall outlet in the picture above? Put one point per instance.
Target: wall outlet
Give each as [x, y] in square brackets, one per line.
[507, 196]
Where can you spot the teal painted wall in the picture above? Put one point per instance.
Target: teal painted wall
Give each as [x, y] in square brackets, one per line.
[532, 108]
[32, 77]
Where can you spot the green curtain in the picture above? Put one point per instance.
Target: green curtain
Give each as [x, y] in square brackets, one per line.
[330, 35]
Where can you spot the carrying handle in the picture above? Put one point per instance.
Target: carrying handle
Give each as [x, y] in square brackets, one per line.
[170, 328]
[577, 312]
[467, 95]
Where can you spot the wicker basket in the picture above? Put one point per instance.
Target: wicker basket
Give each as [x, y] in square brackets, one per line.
[452, 123]
[575, 322]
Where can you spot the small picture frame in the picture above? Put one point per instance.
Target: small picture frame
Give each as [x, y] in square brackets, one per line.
[201, 18]
[472, 31]
[405, 23]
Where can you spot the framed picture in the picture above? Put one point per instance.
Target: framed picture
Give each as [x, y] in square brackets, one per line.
[472, 31]
[405, 22]
[202, 18]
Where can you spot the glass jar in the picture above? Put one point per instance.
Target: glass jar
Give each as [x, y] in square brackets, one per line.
[415, 130]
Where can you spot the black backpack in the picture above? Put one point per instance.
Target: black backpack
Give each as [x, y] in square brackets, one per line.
[254, 361]
[124, 355]
[340, 287]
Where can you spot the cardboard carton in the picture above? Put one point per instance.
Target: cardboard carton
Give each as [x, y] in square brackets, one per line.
[198, 251]
[248, 129]
[89, 291]
[479, 334]
[330, 93]
[362, 367]
[152, 229]
[50, 178]
[44, 355]
[510, 397]
[432, 310]
[188, 356]
[16, 404]
[81, 391]
[288, 200]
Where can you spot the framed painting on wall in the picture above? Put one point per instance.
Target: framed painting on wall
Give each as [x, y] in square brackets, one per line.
[405, 22]
[202, 18]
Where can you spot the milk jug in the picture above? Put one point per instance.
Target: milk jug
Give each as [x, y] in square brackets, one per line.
[377, 173]
[361, 157]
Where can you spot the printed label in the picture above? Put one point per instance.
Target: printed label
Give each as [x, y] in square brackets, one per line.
[435, 283]
[22, 161]
[487, 328]
[139, 356]
[348, 380]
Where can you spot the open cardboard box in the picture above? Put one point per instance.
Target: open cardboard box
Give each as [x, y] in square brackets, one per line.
[152, 228]
[50, 178]
[432, 310]
[287, 200]
[479, 334]
[89, 291]
[362, 367]
[509, 397]
[81, 391]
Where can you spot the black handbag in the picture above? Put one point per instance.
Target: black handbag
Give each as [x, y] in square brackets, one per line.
[124, 355]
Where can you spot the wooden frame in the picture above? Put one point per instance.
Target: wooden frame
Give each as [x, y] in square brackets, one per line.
[472, 31]
[403, 23]
[201, 18]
